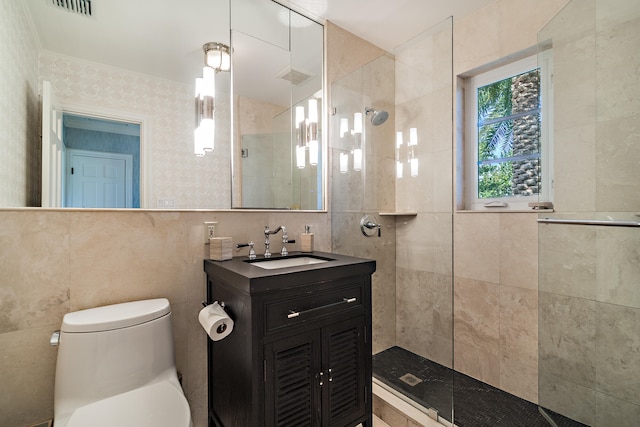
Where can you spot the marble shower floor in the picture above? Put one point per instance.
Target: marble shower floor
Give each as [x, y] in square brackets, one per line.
[476, 404]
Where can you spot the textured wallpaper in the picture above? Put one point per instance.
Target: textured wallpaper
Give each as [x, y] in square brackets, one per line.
[173, 173]
[19, 140]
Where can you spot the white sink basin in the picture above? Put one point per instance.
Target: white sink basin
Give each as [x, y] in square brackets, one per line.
[288, 262]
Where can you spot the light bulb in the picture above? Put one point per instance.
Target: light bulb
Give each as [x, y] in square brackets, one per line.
[344, 126]
[413, 136]
[300, 155]
[299, 115]
[344, 162]
[398, 139]
[414, 166]
[313, 110]
[357, 123]
[357, 159]
[313, 152]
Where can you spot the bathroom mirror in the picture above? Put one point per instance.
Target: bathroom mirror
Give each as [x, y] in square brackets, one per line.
[137, 62]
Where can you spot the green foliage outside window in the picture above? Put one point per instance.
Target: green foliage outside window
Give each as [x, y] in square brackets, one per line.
[496, 138]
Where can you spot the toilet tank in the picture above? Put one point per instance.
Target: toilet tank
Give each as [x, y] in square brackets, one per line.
[113, 349]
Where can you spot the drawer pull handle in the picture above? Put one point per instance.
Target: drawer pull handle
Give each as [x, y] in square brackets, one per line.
[293, 314]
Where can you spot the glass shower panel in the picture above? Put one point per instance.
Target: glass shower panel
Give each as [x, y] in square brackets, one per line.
[589, 246]
[413, 285]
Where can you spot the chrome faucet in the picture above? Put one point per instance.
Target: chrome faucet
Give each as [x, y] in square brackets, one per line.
[285, 239]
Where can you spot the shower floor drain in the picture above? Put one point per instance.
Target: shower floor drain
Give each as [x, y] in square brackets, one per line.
[410, 379]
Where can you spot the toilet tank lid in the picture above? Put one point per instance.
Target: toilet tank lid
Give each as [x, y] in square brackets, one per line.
[115, 316]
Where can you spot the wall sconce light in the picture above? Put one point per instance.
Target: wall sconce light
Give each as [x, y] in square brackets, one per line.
[216, 58]
[412, 153]
[307, 134]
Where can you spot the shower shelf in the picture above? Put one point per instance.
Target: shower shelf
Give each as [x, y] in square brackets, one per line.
[398, 213]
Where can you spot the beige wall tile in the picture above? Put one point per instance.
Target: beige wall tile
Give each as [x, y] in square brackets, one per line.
[568, 260]
[615, 412]
[567, 338]
[476, 39]
[576, 154]
[617, 153]
[519, 29]
[618, 359]
[34, 249]
[519, 250]
[519, 342]
[618, 266]
[477, 329]
[28, 369]
[567, 398]
[347, 52]
[477, 246]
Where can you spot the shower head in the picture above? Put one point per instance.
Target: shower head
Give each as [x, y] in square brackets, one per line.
[377, 117]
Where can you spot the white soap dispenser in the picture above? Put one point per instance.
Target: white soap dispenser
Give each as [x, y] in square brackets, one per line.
[306, 240]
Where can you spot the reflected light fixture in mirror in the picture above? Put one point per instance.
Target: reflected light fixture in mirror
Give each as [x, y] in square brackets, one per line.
[216, 58]
[412, 153]
[307, 134]
[356, 148]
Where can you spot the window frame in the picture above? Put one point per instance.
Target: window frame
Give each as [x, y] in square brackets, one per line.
[543, 62]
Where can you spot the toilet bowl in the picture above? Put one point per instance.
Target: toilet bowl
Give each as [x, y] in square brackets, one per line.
[116, 367]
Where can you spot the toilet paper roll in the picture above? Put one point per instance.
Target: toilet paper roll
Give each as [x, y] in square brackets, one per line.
[215, 321]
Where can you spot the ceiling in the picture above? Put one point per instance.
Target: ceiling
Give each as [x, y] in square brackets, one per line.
[164, 37]
[386, 23]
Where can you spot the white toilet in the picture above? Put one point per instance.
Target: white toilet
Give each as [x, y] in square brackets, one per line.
[116, 367]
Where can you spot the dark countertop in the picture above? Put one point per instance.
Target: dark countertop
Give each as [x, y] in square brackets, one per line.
[248, 278]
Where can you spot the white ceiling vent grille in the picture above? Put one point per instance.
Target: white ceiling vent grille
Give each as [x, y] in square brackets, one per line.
[295, 76]
[81, 7]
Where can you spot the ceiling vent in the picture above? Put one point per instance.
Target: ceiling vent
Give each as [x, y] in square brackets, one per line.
[295, 76]
[81, 7]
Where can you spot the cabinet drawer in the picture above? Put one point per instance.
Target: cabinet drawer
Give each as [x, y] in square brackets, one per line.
[308, 306]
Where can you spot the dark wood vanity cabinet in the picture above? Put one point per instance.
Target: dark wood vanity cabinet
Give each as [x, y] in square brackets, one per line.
[300, 351]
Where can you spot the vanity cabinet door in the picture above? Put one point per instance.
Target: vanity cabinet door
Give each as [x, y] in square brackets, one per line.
[318, 378]
[344, 358]
[293, 381]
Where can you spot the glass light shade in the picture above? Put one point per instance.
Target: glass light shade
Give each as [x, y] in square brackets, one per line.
[198, 150]
[313, 110]
[413, 136]
[299, 115]
[399, 167]
[414, 167]
[357, 123]
[357, 159]
[208, 85]
[344, 162]
[300, 156]
[204, 136]
[344, 126]
[218, 59]
[313, 152]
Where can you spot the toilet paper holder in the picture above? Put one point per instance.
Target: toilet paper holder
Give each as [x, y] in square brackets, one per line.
[220, 303]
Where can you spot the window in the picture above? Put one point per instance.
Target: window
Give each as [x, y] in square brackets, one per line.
[505, 138]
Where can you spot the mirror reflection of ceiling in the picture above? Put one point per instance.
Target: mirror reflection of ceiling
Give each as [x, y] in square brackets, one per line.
[135, 43]
[153, 37]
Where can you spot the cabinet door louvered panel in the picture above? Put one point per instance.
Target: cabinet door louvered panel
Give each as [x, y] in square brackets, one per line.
[346, 374]
[292, 393]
